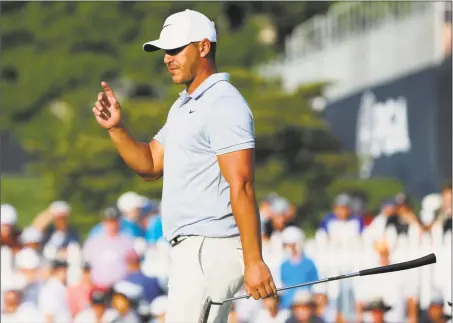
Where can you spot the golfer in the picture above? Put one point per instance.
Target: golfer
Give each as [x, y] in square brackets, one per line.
[205, 153]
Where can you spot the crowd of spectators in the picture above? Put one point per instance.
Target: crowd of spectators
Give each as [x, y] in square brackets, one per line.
[119, 273]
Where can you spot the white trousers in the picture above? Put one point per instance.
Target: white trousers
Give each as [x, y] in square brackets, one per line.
[202, 267]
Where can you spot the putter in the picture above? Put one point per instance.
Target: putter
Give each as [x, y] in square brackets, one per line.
[423, 261]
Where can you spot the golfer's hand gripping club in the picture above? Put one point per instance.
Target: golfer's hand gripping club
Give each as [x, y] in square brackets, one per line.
[423, 261]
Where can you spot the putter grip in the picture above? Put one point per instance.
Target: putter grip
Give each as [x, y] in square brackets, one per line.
[423, 261]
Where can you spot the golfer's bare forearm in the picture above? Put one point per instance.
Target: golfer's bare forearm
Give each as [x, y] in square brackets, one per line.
[136, 154]
[245, 210]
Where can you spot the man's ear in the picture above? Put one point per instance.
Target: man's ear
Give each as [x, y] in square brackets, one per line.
[204, 47]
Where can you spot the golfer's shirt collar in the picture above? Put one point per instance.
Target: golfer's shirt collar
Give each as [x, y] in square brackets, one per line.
[203, 87]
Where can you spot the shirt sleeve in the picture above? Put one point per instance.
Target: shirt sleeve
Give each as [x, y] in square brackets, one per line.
[230, 126]
[161, 134]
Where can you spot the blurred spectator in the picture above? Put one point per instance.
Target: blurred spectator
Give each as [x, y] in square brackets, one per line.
[435, 312]
[150, 285]
[14, 308]
[272, 254]
[341, 224]
[106, 251]
[377, 308]
[125, 295]
[325, 308]
[271, 313]
[376, 230]
[53, 302]
[303, 309]
[397, 289]
[79, 294]
[153, 225]
[443, 221]
[158, 308]
[97, 310]
[9, 234]
[298, 268]
[130, 205]
[59, 233]
[405, 215]
[28, 264]
[31, 238]
[431, 204]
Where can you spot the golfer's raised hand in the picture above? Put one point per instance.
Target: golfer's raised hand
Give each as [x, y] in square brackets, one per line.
[107, 108]
[258, 280]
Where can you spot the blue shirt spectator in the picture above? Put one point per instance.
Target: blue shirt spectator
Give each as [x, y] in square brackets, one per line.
[341, 220]
[295, 272]
[298, 268]
[150, 285]
[154, 229]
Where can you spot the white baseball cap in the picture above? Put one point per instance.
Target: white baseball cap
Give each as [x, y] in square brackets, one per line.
[292, 235]
[60, 208]
[181, 29]
[130, 290]
[159, 305]
[27, 259]
[130, 200]
[8, 214]
[31, 235]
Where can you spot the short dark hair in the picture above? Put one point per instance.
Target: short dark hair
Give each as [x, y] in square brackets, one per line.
[212, 51]
[447, 186]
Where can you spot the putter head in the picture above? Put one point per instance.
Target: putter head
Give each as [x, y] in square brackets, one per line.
[204, 315]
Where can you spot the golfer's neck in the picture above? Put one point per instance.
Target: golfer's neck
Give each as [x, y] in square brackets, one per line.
[200, 78]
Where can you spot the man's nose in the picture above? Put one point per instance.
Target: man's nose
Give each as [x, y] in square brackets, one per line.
[167, 58]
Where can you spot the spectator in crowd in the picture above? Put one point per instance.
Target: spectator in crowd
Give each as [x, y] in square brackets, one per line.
[435, 312]
[270, 312]
[14, 308]
[341, 224]
[126, 296]
[53, 301]
[97, 310]
[430, 205]
[106, 251]
[158, 308]
[303, 309]
[28, 264]
[397, 289]
[405, 215]
[129, 205]
[297, 268]
[31, 237]
[443, 221]
[59, 233]
[153, 226]
[272, 254]
[9, 234]
[325, 308]
[79, 294]
[377, 228]
[377, 308]
[150, 285]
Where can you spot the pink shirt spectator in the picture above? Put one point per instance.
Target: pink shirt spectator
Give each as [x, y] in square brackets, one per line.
[78, 297]
[107, 257]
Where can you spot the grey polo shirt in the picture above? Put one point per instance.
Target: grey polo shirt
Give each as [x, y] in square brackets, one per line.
[214, 120]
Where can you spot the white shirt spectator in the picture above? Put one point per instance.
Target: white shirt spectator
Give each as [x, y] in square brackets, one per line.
[394, 289]
[88, 316]
[263, 316]
[25, 313]
[53, 301]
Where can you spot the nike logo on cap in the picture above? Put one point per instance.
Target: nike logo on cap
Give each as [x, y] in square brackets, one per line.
[191, 111]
